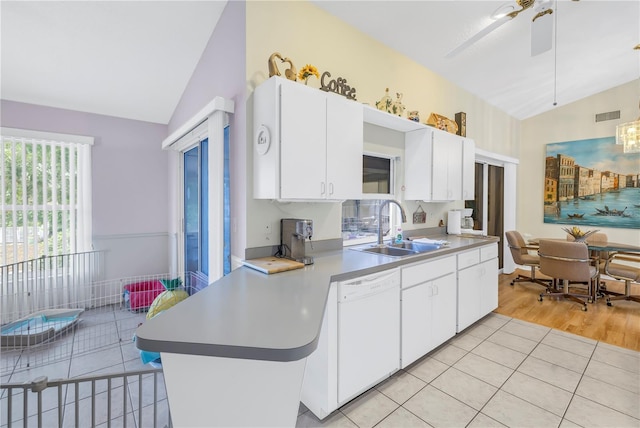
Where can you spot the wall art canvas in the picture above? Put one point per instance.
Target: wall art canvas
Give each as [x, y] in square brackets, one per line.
[592, 183]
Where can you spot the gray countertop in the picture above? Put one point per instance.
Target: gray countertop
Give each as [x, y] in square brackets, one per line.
[251, 315]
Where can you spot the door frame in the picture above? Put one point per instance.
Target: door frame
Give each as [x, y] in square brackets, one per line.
[207, 123]
[510, 186]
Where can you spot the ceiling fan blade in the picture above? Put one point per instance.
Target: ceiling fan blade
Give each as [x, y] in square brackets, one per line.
[542, 32]
[479, 35]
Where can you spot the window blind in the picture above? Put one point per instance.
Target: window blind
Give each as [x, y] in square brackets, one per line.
[45, 182]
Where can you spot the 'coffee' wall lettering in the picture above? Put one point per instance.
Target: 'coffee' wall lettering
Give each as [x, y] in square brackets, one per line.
[339, 86]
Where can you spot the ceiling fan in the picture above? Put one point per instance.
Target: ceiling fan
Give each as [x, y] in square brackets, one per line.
[541, 24]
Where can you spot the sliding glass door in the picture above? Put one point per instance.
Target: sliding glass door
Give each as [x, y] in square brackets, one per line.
[196, 211]
[196, 208]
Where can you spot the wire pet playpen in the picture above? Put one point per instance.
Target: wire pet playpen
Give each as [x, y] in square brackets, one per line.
[53, 307]
[61, 307]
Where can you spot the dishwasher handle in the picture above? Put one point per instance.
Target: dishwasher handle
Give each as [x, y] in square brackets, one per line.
[367, 286]
[370, 279]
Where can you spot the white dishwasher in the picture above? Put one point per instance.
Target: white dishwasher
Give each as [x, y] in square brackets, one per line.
[368, 332]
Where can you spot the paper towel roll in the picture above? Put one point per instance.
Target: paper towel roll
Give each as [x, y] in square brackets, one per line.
[453, 222]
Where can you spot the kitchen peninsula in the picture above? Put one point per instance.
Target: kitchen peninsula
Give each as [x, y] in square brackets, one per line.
[242, 343]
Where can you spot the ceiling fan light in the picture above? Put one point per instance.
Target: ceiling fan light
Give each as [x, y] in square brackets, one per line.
[627, 134]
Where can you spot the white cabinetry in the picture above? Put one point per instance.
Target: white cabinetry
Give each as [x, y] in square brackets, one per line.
[428, 307]
[359, 342]
[434, 166]
[477, 284]
[468, 169]
[307, 143]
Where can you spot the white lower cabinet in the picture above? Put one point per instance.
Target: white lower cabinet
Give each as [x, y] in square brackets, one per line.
[365, 337]
[428, 307]
[477, 284]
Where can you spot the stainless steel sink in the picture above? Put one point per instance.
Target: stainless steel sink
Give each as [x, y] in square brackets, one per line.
[389, 251]
[402, 249]
[419, 247]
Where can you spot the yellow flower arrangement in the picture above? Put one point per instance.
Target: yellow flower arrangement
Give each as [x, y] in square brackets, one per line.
[308, 71]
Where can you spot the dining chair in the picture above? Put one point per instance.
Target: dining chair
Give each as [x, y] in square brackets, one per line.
[568, 262]
[521, 256]
[628, 272]
[599, 257]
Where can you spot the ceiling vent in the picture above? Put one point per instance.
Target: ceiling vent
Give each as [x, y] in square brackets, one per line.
[610, 115]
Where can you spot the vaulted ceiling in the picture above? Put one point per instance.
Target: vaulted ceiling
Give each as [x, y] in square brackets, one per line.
[133, 59]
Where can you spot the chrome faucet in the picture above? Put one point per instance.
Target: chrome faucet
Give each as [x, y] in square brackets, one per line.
[388, 201]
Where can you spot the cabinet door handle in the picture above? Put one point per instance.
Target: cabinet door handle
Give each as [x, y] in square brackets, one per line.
[322, 188]
[331, 188]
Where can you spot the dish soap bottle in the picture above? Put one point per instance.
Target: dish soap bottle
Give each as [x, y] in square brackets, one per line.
[399, 235]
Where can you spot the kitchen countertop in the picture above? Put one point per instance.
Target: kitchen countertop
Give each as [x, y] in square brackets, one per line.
[250, 315]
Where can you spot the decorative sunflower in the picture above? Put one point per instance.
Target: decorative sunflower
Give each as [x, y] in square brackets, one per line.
[308, 71]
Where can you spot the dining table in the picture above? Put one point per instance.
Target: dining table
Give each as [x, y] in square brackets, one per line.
[601, 250]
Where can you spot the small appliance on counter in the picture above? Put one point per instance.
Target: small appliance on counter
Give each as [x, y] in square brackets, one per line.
[466, 223]
[294, 233]
[454, 218]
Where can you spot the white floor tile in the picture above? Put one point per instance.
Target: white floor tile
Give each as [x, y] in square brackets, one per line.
[550, 373]
[439, 409]
[515, 412]
[480, 331]
[512, 341]
[94, 361]
[568, 424]
[465, 341]
[336, 419]
[401, 386]
[494, 321]
[499, 354]
[539, 393]
[618, 349]
[493, 373]
[483, 421]
[560, 357]
[617, 357]
[448, 354]
[609, 395]
[574, 336]
[526, 330]
[369, 409]
[427, 369]
[629, 381]
[401, 417]
[586, 413]
[464, 387]
[570, 344]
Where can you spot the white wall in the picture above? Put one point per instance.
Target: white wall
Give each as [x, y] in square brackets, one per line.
[575, 121]
[308, 35]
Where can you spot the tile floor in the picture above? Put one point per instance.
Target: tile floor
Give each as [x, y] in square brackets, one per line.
[503, 372]
[499, 372]
[102, 344]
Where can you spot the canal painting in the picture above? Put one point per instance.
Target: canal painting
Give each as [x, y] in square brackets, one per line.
[592, 183]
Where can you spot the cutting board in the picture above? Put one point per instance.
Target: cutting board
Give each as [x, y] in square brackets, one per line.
[270, 265]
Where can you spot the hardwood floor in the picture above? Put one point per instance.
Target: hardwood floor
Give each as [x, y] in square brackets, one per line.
[617, 325]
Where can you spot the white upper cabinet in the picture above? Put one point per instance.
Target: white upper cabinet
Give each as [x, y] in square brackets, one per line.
[344, 148]
[435, 165]
[468, 169]
[307, 144]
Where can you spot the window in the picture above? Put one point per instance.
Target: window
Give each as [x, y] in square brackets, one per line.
[360, 221]
[45, 182]
[378, 176]
[360, 217]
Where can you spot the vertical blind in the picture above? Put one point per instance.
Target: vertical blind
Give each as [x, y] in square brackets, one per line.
[46, 195]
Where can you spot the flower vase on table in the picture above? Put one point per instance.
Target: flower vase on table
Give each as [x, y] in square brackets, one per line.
[579, 235]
